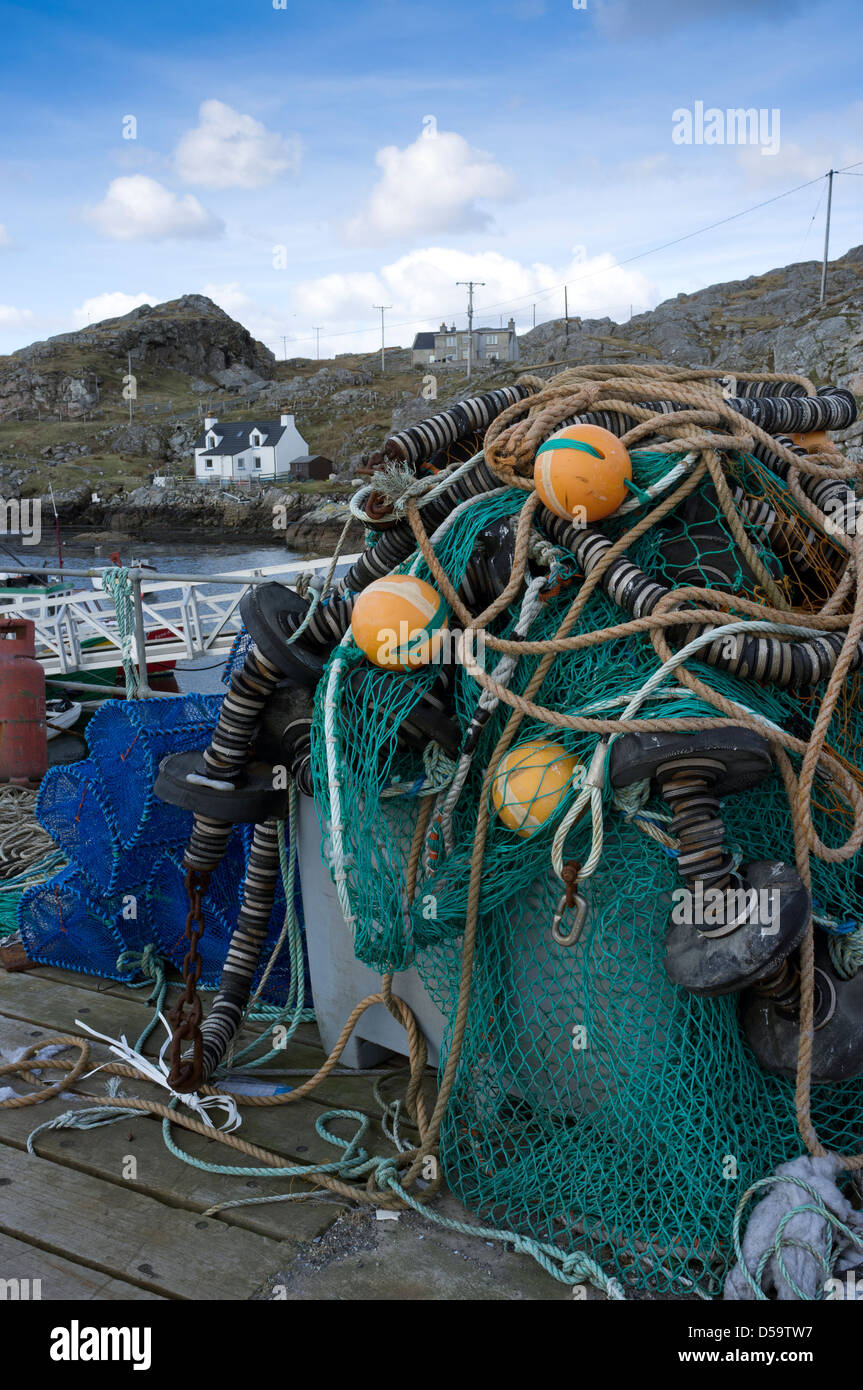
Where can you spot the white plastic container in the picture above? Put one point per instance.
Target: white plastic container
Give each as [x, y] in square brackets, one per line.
[340, 981]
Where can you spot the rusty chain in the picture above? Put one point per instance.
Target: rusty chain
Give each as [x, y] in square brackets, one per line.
[187, 1073]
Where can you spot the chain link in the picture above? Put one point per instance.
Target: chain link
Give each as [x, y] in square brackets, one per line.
[187, 1073]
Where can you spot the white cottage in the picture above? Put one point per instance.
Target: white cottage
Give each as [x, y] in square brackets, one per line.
[241, 450]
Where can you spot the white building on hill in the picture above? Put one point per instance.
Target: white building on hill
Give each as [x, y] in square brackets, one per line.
[242, 450]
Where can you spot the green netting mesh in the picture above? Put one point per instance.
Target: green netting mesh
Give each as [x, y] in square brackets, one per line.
[596, 1104]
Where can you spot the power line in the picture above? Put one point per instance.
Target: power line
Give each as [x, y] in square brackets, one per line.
[383, 308]
[640, 255]
[469, 285]
[628, 260]
[826, 236]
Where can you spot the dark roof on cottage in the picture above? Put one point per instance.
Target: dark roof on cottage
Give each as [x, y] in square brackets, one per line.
[423, 340]
[235, 435]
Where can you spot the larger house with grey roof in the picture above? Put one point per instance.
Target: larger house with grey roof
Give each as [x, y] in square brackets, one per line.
[243, 450]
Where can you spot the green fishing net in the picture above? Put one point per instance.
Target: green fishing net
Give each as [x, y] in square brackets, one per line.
[596, 1105]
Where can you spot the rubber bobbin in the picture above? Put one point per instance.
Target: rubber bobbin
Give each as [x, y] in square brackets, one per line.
[771, 1022]
[284, 735]
[729, 927]
[252, 798]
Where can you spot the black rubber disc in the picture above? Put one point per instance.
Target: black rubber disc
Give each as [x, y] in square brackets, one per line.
[252, 799]
[272, 613]
[772, 1030]
[772, 926]
[746, 755]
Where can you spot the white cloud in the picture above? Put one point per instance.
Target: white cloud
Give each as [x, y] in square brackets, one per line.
[229, 150]
[110, 305]
[138, 208]
[10, 316]
[421, 286]
[5, 239]
[430, 186]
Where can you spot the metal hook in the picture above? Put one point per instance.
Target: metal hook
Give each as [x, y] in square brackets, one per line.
[579, 903]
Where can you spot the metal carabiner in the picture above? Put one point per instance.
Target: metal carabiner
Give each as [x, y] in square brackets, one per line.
[579, 903]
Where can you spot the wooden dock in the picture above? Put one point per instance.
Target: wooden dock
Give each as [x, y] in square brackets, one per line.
[110, 1214]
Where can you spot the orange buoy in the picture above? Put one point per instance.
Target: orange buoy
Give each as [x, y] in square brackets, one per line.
[530, 783]
[400, 622]
[581, 473]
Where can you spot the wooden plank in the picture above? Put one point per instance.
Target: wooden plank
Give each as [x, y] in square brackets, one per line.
[105, 1153]
[49, 1004]
[305, 1032]
[112, 1229]
[61, 1279]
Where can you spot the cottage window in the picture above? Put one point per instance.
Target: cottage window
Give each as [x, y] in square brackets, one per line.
[208, 462]
[491, 339]
[257, 460]
[241, 463]
[450, 342]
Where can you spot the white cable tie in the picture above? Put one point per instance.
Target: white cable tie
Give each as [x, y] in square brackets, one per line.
[197, 780]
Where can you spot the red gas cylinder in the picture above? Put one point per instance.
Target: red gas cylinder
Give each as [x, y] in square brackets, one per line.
[23, 735]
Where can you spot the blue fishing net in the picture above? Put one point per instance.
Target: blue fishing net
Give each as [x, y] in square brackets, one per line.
[127, 741]
[73, 807]
[63, 923]
[125, 885]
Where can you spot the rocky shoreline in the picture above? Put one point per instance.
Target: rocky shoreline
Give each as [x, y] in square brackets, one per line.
[310, 523]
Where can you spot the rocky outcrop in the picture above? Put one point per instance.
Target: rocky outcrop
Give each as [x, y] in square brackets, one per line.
[770, 322]
[305, 521]
[191, 335]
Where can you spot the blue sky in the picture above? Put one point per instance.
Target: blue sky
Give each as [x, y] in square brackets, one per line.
[301, 164]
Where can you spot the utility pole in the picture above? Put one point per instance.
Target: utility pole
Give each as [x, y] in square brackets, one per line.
[284, 347]
[317, 344]
[826, 235]
[469, 285]
[383, 308]
[534, 316]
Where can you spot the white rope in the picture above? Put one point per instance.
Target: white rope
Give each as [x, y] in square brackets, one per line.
[337, 847]
[588, 784]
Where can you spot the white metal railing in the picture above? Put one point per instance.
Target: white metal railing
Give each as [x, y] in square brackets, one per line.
[176, 619]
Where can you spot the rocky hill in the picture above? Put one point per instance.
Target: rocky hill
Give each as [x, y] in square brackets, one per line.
[187, 343]
[770, 322]
[63, 420]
